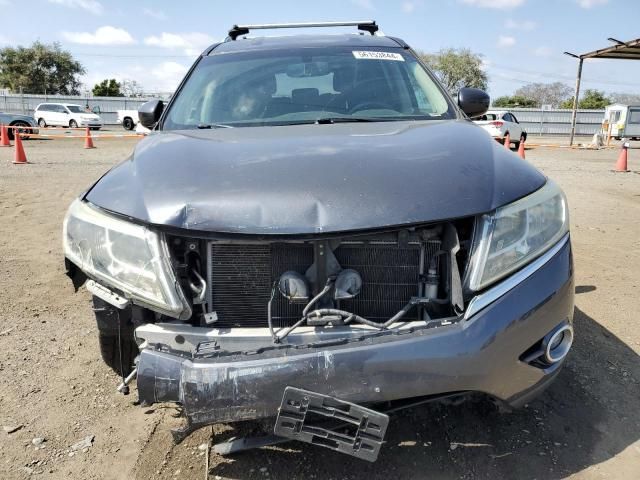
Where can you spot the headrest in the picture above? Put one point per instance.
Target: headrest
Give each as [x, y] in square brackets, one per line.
[343, 79]
[305, 95]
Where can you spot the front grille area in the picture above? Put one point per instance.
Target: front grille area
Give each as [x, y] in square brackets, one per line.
[242, 276]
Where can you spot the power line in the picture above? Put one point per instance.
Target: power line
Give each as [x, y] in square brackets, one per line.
[555, 76]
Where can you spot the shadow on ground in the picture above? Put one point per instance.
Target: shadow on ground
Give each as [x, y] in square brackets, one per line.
[586, 417]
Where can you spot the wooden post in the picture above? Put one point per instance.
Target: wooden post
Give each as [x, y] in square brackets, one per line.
[575, 103]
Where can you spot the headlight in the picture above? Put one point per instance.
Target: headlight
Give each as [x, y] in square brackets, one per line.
[517, 233]
[123, 255]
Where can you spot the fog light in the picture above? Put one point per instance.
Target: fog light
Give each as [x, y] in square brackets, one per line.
[559, 344]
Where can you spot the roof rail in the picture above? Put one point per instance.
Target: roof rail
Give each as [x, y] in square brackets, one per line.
[367, 26]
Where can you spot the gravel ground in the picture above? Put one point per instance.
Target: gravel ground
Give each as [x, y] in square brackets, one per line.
[55, 390]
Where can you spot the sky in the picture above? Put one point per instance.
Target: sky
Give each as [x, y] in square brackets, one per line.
[155, 42]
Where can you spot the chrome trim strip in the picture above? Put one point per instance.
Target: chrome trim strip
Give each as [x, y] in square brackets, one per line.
[483, 300]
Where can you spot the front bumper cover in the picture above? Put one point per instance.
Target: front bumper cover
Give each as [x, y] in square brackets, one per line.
[481, 354]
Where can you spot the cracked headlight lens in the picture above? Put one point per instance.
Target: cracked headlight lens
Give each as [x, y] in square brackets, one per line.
[123, 255]
[517, 233]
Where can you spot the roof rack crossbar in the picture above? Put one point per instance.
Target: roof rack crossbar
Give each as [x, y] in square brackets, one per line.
[366, 25]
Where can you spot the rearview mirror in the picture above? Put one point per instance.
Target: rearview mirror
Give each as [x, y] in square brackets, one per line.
[473, 101]
[149, 113]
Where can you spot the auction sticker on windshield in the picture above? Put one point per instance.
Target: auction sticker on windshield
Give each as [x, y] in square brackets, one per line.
[369, 55]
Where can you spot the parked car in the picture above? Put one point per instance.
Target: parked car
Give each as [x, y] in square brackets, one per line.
[66, 115]
[26, 125]
[315, 226]
[128, 118]
[500, 122]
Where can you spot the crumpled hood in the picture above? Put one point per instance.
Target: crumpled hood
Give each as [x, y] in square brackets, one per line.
[308, 179]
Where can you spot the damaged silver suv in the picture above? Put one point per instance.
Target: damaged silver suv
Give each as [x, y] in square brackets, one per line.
[313, 231]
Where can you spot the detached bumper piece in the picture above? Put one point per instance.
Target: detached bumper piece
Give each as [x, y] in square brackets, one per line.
[356, 431]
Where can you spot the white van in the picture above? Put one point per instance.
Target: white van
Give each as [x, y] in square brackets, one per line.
[66, 115]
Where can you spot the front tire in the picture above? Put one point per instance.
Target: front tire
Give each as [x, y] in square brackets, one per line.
[42, 123]
[73, 124]
[22, 127]
[115, 337]
[128, 124]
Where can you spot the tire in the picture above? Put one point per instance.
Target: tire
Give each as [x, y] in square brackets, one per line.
[128, 124]
[523, 137]
[24, 132]
[42, 123]
[73, 124]
[117, 345]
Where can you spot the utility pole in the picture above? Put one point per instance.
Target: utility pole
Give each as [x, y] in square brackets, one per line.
[574, 114]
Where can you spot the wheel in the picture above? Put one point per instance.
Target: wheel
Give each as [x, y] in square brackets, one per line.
[23, 128]
[73, 124]
[117, 345]
[128, 124]
[42, 123]
[523, 137]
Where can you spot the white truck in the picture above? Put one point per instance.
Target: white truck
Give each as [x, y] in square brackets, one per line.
[128, 118]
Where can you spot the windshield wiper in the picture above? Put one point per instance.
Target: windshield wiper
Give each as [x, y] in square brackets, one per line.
[329, 120]
[204, 126]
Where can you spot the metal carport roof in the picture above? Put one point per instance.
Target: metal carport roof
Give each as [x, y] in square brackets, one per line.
[620, 51]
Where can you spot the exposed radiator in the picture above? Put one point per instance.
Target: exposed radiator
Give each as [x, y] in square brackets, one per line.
[241, 278]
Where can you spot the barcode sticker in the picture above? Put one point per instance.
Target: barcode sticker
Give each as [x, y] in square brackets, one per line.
[371, 55]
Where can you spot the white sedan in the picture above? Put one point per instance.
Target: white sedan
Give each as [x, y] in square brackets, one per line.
[500, 122]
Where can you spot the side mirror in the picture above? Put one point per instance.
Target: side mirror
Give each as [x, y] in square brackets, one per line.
[473, 101]
[149, 113]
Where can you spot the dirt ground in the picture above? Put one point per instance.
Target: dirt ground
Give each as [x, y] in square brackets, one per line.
[54, 386]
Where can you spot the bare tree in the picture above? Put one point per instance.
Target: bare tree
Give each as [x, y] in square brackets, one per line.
[131, 88]
[625, 98]
[545, 93]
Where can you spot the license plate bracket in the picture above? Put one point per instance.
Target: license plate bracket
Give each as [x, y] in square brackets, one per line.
[331, 423]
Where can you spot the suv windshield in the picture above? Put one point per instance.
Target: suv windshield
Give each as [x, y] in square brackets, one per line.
[75, 108]
[281, 87]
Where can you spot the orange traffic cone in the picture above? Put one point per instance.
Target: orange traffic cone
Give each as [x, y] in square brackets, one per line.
[521, 149]
[20, 158]
[4, 136]
[88, 141]
[621, 164]
[507, 142]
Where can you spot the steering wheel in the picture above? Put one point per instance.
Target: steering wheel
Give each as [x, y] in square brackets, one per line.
[370, 105]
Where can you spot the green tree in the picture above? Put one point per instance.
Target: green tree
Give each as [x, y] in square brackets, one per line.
[107, 88]
[457, 68]
[592, 99]
[40, 68]
[514, 101]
